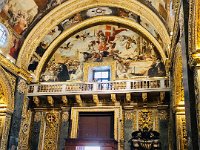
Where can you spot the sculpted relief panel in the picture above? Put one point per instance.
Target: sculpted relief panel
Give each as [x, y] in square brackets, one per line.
[134, 55]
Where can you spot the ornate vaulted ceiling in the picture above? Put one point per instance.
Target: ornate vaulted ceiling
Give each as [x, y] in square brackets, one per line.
[38, 29]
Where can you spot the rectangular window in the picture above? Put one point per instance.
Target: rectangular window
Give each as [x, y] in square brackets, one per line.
[101, 75]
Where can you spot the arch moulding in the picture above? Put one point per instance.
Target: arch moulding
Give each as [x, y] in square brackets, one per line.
[6, 93]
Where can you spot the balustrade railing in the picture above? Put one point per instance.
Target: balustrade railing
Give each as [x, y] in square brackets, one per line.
[119, 86]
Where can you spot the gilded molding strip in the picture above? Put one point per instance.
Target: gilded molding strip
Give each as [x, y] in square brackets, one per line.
[71, 7]
[14, 69]
[5, 132]
[181, 132]
[99, 19]
[197, 23]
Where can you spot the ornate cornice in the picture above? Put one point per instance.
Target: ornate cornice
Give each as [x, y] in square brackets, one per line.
[14, 69]
[99, 19]
[72, 7]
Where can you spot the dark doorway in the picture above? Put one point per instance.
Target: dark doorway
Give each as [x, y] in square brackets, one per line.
[99, 125]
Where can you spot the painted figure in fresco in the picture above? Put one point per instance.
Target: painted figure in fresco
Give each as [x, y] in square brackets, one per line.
[97, 57]
[99, 11]
[63, 74]
[19, 16]
[33, 65]
[21, 22]
[78, 75]
[102, 43]
[41, 48]
[52, 3]
[157, 69]
[71, 21]
[14, 49]
[2, 3]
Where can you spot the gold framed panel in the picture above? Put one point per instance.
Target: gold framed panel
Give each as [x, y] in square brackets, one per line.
[181, 131]
[117, 118]
[88, 66]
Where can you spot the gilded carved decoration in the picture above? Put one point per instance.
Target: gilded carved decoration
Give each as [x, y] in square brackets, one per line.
[50, 100]
[59, 14]
[95, 99]
[175, 29]
[25, 131]
[197, 24]
[197, 88]
[2, 97]
[65, 116]
[25, 126]
[36, 101]
[193, 33]
[128, 97]
[5, 131]
[181, 132]
[79, 100]
[22, 86]
[14, 69]
[145, 118]
[37, 117]
[7, 88]
[178, 92]
[113, 98]
[135, 123]
[51, 131]
[128, 115]
[163, 115]
[64, 100]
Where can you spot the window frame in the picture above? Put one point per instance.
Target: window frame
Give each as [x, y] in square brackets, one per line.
[102, 78]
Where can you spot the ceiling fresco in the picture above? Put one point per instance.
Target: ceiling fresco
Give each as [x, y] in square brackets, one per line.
[21, 15]
[98, 11]
[133, 54]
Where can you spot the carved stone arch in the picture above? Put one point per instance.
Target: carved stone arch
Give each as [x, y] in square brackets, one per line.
[72, 7]
[6, 92]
